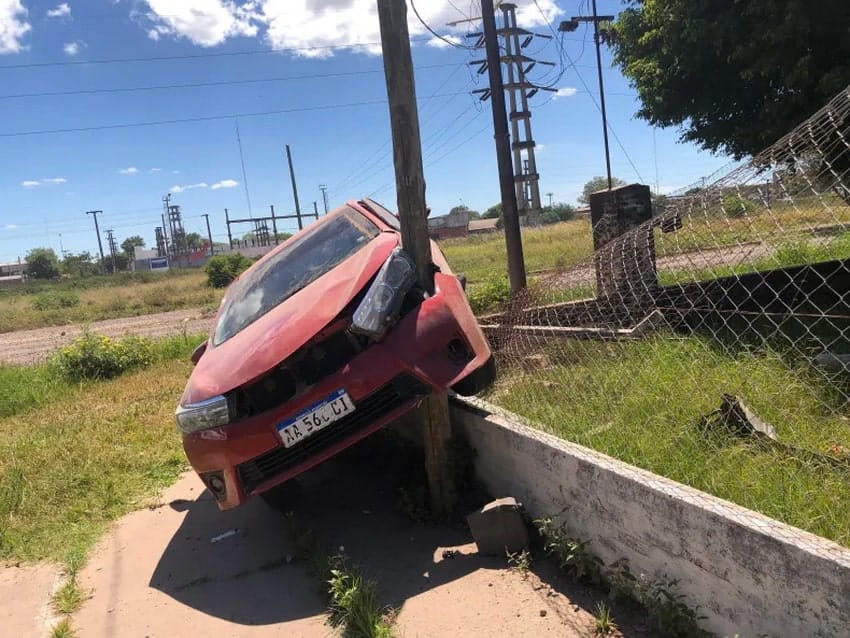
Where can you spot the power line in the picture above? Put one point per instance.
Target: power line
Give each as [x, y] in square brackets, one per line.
[162, 87]
[205, 118]
[434, 33]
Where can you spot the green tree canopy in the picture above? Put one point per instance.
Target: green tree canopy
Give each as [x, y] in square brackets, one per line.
[597, 184]
[80, 264]
[493, 212]
[194, 241]
[735, 76]
[128, 244]
[42, 263]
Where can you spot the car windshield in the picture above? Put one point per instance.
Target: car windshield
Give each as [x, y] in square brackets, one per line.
[307, 258]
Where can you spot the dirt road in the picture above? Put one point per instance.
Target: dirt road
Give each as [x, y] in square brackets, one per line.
[31, 346]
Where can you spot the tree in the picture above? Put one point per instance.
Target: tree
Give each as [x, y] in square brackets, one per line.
[473, 214]
[128, 244]
[597, 184]
[194, 241]
[734, 76]
[493, 212]
[42, 263]
[79, 265]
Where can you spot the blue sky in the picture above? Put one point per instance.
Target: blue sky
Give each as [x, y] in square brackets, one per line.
[306, 73]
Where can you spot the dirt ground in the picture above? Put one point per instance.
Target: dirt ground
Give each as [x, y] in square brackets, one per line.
[182, 568]
[31, 346]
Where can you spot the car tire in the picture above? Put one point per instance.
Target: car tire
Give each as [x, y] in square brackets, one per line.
[284, 496]
[478, 380]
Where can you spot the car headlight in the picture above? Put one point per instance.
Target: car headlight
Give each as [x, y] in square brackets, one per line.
[382, 303]
[203, 415]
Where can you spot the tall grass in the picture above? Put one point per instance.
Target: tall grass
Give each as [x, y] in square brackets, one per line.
[74, 457]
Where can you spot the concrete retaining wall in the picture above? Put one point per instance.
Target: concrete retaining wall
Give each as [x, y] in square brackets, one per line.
[749, 574]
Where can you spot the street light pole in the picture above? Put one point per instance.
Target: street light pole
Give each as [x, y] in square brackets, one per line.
[572, 25]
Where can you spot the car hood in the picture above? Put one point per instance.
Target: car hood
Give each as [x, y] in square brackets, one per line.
[276, 335]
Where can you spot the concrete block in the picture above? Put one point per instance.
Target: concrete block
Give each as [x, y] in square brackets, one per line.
[498, 527]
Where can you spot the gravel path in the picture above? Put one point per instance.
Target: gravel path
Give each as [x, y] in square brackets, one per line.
[32, 346]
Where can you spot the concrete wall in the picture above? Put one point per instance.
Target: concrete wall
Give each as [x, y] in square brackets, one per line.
[749, 574]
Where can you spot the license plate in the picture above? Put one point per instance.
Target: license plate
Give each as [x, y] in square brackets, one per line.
[315, 418]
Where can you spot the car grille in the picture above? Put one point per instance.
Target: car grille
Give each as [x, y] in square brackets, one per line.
[304, 369]
[266, 466]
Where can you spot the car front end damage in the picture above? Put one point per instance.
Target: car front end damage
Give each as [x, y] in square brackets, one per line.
[389, 347]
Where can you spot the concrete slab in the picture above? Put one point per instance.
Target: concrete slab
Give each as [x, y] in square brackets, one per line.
[25, 598]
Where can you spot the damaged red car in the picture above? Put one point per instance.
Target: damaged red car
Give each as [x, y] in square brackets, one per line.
[322, 342]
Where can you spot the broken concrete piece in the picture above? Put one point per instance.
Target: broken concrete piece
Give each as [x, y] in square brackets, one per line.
[498, 527]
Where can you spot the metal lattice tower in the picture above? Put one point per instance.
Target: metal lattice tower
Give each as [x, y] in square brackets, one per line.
[161, 245]
[518, 89]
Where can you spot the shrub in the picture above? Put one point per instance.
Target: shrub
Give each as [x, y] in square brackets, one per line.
[737, 207]
[489, 294]
[55, 300]
[223, 269]
[95, 356]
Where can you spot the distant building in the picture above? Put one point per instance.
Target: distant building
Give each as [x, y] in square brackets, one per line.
[12, 273]
[455, 224]
[489, 225]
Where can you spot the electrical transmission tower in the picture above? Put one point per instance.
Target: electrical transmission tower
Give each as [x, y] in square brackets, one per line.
[161, 244]
[113, 249]
[519, 89]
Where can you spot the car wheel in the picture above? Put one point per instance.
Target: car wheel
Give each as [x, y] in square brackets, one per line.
[284, 496]
[476, 381]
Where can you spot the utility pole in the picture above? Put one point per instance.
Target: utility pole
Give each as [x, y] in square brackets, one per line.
[95, 213]
[274, 225]
[324, 190]
[112, 249]
[316, 209]
[550, 195]
[294, 187]
[572, 25]
[229, 236]
[410, 187]
[209, 232]
[513, 238]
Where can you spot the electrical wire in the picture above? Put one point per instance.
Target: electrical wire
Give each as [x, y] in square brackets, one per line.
[205, 118]
[434, 33]
[160, 87]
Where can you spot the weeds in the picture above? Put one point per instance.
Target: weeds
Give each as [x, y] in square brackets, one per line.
[603, 622]
[95, 356]
[354, 605]
[520, 561]
[69, 597]
[63, 630]
[55, 300]
[573, 555]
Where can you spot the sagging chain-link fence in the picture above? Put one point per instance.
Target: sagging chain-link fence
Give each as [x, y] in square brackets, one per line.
[709, 340]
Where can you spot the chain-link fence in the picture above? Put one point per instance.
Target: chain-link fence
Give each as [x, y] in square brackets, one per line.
[710, 342]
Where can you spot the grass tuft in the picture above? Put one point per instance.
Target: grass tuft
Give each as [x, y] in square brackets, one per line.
[63, 630]
[69, 597]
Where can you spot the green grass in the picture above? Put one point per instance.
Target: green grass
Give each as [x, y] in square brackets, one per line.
[38, 304]
[643, 402]
[74, 457]
[63, 630]
[354, 605]
[69, 597]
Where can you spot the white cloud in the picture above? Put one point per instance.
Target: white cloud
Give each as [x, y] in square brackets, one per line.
[11, 226]
[206, 23]
[154, 170]
[74, 47]
[225, 183]
[567, 91]
[180, 188]
[315, 27]
[33, 183]
[130, 170]
[60, 11]
[13, 26]
[443, 43]
[539, 147]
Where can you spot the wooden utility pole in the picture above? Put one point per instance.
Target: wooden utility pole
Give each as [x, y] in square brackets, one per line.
[294, 187]
[410, 188]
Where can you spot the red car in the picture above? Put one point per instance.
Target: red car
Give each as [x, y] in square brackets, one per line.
[323, 341]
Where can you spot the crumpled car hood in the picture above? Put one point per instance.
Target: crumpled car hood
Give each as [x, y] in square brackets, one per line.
[279, 333]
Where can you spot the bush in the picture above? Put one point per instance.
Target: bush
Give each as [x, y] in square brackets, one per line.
[223, 269]
[737, 207]
[55, 300]
[489, 294]
[94, 356]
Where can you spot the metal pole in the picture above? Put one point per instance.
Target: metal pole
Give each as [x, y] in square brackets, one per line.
[294, 187]
[274, 225]
[513, 238]
[229, 236]
[601, 94]
[97, 231]
[209, 233]
[324, 190]
[316, 209]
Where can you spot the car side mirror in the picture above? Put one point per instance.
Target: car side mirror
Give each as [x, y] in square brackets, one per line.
[198, 352]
